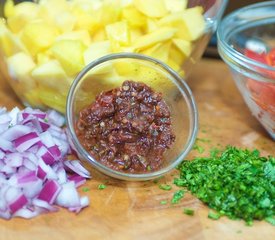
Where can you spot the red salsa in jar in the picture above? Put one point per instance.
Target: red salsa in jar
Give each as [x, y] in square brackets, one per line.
[127, 128]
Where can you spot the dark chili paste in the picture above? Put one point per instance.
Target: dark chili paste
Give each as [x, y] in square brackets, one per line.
[127, 128]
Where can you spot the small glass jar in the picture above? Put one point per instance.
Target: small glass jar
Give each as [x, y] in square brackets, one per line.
[100, 75]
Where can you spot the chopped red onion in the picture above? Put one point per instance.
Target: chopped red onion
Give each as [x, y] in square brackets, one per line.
[33, 177]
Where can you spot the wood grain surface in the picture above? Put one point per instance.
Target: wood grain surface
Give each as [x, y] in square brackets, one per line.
[132, 210]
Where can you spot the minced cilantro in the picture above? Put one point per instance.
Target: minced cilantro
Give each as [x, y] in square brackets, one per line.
[214, 215]
[199, 148]
[101, 186]
[238, 183]
[165, 187]
[178, 195]
[163, 202]
[188, 211]
[85, 189]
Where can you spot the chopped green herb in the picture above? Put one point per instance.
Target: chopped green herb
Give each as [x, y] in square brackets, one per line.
[178, 195]
[214, 215]
[270, 220]
[165, 187]
[204, 140]
[238, 183]
[163, 202]
[199, 148]
[188, 211]
[101, 186]
[85, 189]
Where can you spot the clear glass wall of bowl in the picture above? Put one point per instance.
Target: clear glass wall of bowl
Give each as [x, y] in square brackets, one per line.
[252, 28]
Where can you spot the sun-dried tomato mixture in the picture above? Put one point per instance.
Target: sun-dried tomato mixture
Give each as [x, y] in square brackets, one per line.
[127, 128]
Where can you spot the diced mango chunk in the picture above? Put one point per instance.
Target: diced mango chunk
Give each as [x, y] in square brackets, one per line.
[70, 55]
[22, 14]
[52, 99]
[133, 17]
[160, 35]
[52, 75]
[81, 35]
[20, 66]
[118, 32]
[159, 51]
[194, 22]
[151, 8]
[176, 5]
[9, 9]
[38, 35]
[9, 42]
[96, 50]
[184, 46]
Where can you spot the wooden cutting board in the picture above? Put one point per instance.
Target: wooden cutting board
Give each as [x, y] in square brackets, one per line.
[132, 210]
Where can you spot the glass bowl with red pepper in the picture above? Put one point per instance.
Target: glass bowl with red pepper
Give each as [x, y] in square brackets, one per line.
[131, 116]
[246, 42]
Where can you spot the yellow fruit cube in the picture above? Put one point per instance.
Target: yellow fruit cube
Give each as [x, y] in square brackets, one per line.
[176, 5]
[151, 8]
[22, 14]
[159, 51]
[52, 75]
[9, 42]
[133, 17]
[109, 13]
[81, 35]
[99, 35]
[176, 56]
[96, 50]
[65, 21]
[160, 35]
[52, 99]
[43, 57]
[184, 46]
[9, 8]
[20, 66]
[88, 21]
[151, 25]
[38, 36]
[118, 32]
[194, 21]
[70, 55]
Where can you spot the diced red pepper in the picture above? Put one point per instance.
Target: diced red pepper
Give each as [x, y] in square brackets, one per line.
[263, 93]
[259, 57]
[270, 58]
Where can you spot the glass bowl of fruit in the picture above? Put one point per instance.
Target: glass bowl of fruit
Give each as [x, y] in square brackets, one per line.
[246, 43]
[44, 44]
[137, 124]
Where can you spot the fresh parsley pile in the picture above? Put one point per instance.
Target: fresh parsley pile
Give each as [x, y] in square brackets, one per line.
[235, 182]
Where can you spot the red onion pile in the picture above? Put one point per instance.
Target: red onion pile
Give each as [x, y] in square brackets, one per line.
[35, 176]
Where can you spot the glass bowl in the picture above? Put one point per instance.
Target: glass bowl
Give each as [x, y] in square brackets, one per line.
[99, 76]
[44, 46]
[245, 42]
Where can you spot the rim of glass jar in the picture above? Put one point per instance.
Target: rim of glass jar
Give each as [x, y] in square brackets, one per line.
[224, 31]
[212, 21]
[181, 85]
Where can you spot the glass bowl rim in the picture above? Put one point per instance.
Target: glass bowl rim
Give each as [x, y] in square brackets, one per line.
[181, 85]
[225, 48]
